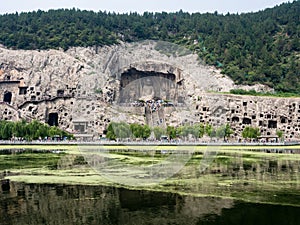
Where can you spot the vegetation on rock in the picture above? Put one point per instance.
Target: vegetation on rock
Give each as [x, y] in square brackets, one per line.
[255, 93]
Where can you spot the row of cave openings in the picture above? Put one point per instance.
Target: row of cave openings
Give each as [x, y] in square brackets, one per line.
[52, 117]
[7, 97]
[248, 121]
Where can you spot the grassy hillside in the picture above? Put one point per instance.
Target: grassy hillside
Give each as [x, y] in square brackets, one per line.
[261, 47]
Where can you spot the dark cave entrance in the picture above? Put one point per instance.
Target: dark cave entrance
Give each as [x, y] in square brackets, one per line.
[22, 90]
[133, 74]
[235, 119]
[60, 93]
[138, 85]
[246, 121]
[272, 124]
[53, 119]
[7, 97]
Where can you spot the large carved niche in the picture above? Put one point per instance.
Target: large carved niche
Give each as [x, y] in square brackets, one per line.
[136, 85]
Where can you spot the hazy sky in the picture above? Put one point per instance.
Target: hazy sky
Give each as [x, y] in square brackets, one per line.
[222, 6]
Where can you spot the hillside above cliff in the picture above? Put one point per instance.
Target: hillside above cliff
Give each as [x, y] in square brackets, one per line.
[261, 47]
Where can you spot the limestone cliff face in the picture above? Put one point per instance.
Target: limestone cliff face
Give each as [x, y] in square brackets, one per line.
[79, 90]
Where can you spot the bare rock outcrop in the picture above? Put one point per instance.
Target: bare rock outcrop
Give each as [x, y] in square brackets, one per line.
[80, 90]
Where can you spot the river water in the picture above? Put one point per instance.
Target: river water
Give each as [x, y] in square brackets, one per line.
[76, 204]
[272, 176]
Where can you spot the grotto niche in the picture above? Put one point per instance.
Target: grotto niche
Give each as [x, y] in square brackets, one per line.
[53, 119]
[142, 86]
[7, 97]
[158, 94]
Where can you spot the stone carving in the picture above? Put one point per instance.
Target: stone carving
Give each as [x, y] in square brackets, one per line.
[83, 89]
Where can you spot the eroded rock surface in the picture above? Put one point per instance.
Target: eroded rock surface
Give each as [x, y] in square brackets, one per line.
[83, 89]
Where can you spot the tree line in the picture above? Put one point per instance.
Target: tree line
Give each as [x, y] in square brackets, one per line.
[261, 47]
[30, 131]
[122, 130]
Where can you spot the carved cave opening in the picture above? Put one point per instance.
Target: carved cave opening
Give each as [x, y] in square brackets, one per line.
[272, 124]
[246, 121]
[53, 119]
[7, 77]
[22, 90]
[235, 119]
[81, 125]
[136, 85]
[60, 93]
[283, 119]
[7, 97]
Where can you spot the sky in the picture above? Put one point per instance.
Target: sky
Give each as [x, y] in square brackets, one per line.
[140, 6]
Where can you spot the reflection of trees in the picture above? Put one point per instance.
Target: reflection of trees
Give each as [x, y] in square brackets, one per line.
[264, 169]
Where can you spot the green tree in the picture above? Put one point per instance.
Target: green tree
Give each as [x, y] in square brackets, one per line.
[171, 132]
[195, 130]
[251, 132]
[29, 131]
[201, 130]
[185, 131]
[110, 132]
[6, 130]
[224, 131]
[54, 131]
[137, 130]
[158, 132]
[279, 133]
[210, 131]
[19, 129]
[146, 132]
[122, 130]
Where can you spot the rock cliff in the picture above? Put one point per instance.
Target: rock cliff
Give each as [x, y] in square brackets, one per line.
[81, 90]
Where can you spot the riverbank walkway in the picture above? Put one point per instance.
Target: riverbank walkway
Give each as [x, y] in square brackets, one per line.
[148, 143]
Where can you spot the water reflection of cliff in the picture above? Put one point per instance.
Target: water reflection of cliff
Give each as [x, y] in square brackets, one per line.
[66, 204]
[60, 204]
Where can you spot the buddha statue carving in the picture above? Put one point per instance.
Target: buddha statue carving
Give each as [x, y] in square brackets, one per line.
[148, 91]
